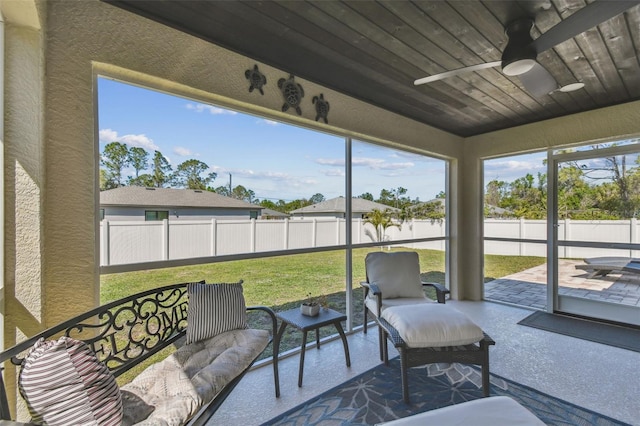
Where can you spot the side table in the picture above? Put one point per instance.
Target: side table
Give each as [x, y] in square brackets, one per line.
[305, 323]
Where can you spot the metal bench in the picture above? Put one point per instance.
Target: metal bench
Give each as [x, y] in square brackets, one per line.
[126, 332]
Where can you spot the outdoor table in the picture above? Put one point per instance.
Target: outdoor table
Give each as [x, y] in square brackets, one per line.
[305, 323]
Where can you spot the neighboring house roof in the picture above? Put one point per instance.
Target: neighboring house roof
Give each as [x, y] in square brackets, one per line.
[170, 197]
[497, 211]
[337, 205]
[273, 213]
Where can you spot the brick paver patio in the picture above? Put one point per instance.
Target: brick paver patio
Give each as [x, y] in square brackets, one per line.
[528, 287]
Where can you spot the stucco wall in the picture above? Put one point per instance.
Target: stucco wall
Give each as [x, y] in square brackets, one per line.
[24, 172]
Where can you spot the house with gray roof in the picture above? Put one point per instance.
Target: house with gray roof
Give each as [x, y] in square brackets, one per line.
[273, 214]
[140, 203]
[335, 208]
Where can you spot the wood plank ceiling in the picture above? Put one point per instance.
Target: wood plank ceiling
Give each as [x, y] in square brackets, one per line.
[374, 50]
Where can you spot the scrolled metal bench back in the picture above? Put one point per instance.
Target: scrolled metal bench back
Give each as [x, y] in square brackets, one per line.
[123, 332]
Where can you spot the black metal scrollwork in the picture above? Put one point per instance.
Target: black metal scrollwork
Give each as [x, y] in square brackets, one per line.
[124, 332]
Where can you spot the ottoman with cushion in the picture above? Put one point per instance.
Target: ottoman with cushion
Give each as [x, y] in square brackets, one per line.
[493, 411]
[433, 332]
[422, 330]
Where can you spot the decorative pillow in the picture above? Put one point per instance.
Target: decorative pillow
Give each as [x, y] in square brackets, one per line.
[396, 274]
[432, 325]
[214, 309]
[63, 383]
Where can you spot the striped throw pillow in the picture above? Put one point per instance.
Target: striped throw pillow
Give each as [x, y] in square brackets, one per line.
[63, 383]
[214, 309]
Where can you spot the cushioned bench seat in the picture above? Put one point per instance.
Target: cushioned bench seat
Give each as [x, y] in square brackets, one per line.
[171, 391]
[492, 411]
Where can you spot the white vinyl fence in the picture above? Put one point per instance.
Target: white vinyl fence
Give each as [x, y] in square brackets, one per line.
[600, 231]
[125, 242]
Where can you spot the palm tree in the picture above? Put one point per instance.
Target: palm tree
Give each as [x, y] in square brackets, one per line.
[381, 220]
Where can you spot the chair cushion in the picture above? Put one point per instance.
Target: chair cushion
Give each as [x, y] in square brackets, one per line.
[492, 411]
[432, 325]
[63, 383]
[397, 274]
[214, 309]
[372, 303]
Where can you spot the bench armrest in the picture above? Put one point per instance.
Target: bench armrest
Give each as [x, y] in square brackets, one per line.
[272, 315]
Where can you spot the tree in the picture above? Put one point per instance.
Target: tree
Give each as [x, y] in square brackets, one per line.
[145, 180]
[366, 196]
[316, 198]
[393, 197]
[526, 199]
[222, 190]
[495, 192]
[271, 205]
[625, 200]
[115, 157]
[432, 210]
[138, 159]
[191, 175]
[161, 171]
[380, 220]
[105, 181]
[242, 193]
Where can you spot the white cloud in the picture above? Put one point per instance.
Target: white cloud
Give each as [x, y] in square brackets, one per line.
[268, 122]
[183, 152]
[513, 166]
[410, 155]
[371, 163]
[107, 135]
[143, 141]
[213, 110]
[334, 172]
[330, 161]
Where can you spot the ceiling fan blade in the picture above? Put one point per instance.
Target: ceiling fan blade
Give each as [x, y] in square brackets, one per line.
[452, 73]
[584, 19]
[538, 81]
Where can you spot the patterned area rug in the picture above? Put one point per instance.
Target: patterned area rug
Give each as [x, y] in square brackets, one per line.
[376, 396]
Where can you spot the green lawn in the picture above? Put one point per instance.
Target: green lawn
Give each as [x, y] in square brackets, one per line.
[283, 282]
[278, 281]
[267, 281]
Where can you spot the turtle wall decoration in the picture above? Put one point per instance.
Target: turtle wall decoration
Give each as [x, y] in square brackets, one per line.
[256, 79]
[322, 108]
[292, 93]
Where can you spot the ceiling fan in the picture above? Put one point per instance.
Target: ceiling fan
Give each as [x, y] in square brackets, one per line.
[519, 57]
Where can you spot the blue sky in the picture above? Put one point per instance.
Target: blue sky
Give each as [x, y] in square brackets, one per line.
[510, 168]
[275, 160]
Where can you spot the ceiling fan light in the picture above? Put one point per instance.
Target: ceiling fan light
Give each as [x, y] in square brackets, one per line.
[518, 67]
[519, 56]
[571, 87]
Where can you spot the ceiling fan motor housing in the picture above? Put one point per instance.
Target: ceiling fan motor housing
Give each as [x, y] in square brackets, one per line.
[520, 55]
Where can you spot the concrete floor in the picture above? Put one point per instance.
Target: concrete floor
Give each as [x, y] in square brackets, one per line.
[598, 377]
